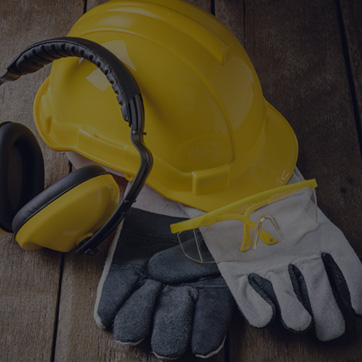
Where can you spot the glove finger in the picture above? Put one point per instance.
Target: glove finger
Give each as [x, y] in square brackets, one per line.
[346, 276]
[172, 324]
[117, 287]
[328, 319]
[134, 319]
[172, 266]
[278, 293]
[256, 310]
[293, 314]
[213, 313]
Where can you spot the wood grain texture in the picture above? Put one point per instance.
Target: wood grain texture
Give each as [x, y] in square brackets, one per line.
[204, 4]
[29, 280]
[297, 50]
[351, 13]
[231, 13]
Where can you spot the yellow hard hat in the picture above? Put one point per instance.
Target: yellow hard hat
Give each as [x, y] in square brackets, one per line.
[213, 136]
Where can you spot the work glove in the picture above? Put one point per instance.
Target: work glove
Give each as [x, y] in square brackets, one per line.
[149, 289]
[296, 278]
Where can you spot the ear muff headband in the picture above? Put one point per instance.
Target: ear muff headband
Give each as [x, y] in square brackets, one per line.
[37, 55]
[128, 96]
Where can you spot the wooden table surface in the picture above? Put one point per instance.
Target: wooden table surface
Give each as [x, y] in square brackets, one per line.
[308, 55]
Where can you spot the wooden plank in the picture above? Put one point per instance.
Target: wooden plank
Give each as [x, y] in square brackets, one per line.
[78, 337]
[297, 50]
[204, 4]
[351, 12]
[29, 280]
[231, 13]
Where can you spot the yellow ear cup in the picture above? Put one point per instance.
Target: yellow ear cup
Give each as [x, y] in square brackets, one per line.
[72, 217]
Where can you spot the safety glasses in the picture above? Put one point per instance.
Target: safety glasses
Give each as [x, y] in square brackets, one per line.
[232, 232]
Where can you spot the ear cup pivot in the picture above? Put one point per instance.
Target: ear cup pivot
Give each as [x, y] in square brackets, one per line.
[21, 170]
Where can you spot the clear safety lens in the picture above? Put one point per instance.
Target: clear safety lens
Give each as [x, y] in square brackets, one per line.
[254, 230]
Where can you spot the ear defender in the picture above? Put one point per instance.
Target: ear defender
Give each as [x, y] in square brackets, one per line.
[81, 209]
[21, 170]
[67, 212]
[59, 217]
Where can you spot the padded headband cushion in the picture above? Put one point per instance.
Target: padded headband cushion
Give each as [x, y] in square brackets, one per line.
[21, 170]
[44, 52]
[55, 191]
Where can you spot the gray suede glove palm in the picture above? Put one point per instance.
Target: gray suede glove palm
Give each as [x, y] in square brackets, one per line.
[149, 289]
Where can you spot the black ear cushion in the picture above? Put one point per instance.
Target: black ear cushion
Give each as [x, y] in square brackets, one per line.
[55, 191]
[21, 170]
